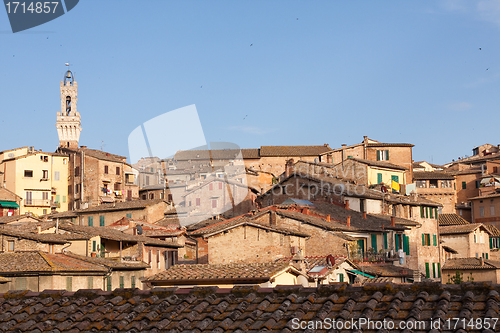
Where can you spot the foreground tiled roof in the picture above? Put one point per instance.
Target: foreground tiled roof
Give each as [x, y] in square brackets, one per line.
[378, 163]
[459, 229]
[43, 238]
[223, 272]
[14, 218]
[492, 229]
[451, 219]
[133, 204]
[386, 270]
[470, 263]
[243, 309]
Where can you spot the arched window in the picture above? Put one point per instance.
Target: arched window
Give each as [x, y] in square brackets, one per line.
[68, 105]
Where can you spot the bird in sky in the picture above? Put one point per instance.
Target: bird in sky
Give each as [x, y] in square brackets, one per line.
[487, 68]
[201, 87]
[251, 44]
[479, 49]
[245, 117]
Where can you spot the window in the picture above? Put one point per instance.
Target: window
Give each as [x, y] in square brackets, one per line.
[151, 196]
[406, 244]
[94, 246]
[492, 210]
[101, 221]
[57, 175]
[220, 185]
[426, 239]
[77, 171]
[147, 180]
[69, 283]
[421, 184]
[434, 240]
[11, 246]
[77, 188]
[198, 201]
[64, 198]
[434, 270]
[211, 186]
[341, 277]
[132, 281]
[385, 242]
[21, 283]
[382, 155]
[475, 238]
[481, 211]
[122, 284]
[90, 282]
[427, 270]
[129, 215]
[106, 171]
[29, 198]
[158, 259]
[118, 186]
[379, 178]
[117, 170]
[446, 183]
[214, 203]
[45, 195]
[464, 185]
[90, 221]
[108, 283]
[45, 174]
[28, 173]
[149, 256]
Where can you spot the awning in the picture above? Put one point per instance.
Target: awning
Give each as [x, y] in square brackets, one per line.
[360, 273]
[449, 249]
[9, 204]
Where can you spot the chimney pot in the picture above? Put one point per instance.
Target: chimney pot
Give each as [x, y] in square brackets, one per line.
[328, 217]
[364, 215]
[346, 205]
[349, 221]
[272, 218]
[344, 145]
[393, 221]
[305, 210]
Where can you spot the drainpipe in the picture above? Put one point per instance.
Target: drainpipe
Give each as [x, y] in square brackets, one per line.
[82, 156]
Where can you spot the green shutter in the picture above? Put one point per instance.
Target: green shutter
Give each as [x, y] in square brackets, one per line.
[387, 155]
[427, 270]
[69, 283]
[491, 243]
[396, 241]
[101, 221]
[439, 270]
[423, 239]
[406, 244]
[385, 241]
[90, 220]
[122, 284]
[434, 240]
[464, 185]
[395, 178]
[434, 270]
[132, 281]
[378, 155]
[94, 246]
[108, 283]
[436, 213]
[90, 282]
[379, 178]
[341, 277]
[103, 249]
[432, 212]
[58, 197]
[374, 242]
[129, 215]
[487, 256]
[422, 212]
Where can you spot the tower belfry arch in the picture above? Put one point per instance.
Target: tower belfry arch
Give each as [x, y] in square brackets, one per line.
[68, 119]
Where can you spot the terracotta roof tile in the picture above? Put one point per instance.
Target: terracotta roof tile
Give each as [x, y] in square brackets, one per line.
[470, 263]
[451, 219]
[493, 230]
[432, 175]
[289, 151]
[378, 163]
[459, 229]
[241, 309]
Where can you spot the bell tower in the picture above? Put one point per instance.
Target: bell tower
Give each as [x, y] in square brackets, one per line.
[68, 119]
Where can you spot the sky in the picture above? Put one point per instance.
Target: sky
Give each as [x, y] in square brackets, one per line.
[281, 72]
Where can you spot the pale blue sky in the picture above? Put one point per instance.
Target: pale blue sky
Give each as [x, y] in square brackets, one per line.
[262, 72]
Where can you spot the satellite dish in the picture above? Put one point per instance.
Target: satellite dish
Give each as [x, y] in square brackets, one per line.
[139, 230]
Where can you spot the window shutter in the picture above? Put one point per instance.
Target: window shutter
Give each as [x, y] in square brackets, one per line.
[374, 242]
[396, 241]
[341, 277]
[101, 221]
[427, 270]
[379, 178]
[432, 213]
[132, 281]
[433, 270]
[90, 282]
[421, 211]
[434, 240]
[108, 283]
[385, 241]
[122, 284]
[439, 270]
[464, 185]
[378, 155]
[69, 283]
[129, 215]
[94, 246]
[491, 243]
[423, 239]
[387, 155]
[406, 244]
[91, 221]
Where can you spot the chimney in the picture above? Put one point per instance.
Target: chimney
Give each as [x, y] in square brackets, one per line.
[305, 210]
[349, 221]
[272, 218]
[481, 261]
[344, 145]
[289, 167]
[393, 221]
[346, 204]
[328, 218]
[39, 229]
[83, 147]
[364, 215]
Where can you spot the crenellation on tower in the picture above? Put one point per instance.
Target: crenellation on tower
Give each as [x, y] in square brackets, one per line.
[68, 119]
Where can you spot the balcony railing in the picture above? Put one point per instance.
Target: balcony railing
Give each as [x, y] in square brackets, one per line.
[37, 202]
